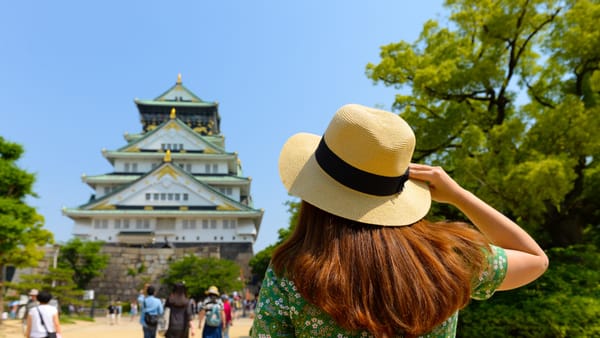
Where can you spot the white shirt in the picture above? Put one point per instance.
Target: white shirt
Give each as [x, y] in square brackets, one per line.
[37, 329]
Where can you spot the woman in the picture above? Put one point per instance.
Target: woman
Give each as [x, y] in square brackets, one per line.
[211, 311]
[180, 313]
[362, 260]
[42, 319]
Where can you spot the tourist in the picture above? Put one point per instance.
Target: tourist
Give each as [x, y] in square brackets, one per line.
[211, 311]
[153, 306]
[362, 260]
[228, 315]
[119, 312]
[42, 319]
[31, 303]
[133, 309]
[111, 311]
[181, 313]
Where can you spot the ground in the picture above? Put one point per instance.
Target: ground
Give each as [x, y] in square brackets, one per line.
[101, 328]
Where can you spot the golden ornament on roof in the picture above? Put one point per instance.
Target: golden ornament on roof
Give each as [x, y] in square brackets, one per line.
[179, 78]
[172, 116]
[167, 158]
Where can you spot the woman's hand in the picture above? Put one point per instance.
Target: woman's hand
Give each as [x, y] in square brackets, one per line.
[442, 187]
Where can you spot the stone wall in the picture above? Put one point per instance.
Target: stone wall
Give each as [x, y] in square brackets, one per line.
[117, 283]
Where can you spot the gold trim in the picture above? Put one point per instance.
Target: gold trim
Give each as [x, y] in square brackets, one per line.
[104, 206]
[148, 207]
[172, 115]
[167, 170]
[183, 207]
[172, 125]
[167, 157]
[225, 207]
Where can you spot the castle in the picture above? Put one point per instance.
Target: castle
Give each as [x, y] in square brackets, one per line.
[174, 190]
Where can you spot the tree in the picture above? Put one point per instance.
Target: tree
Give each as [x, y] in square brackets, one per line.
[21, 227]
[506, 99]
[59, 281]
[84, 259]
[200, 273]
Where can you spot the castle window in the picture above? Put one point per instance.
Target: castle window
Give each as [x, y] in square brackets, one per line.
[134, 167]
[146, 224]
[117, 224]
[148, 195]
[170, 197]
[104, 224]
[215, 168]
[233, 238]
[163, 196]
[139, 224]
[127, 167]
[207, 168]
[126, 224]
[221, 237]
[188, 167]
[197, 238]
[185, 197]
[177, 196]
[204, 224]
[225, 224]
[213, 223]
[232, 223]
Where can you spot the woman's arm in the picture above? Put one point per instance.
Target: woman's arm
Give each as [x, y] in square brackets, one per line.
[526, 259]
[56, 323]
[201, 315]
[28, 330]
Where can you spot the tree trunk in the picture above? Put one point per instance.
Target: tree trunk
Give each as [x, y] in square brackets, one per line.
[564, 229]
[2, 266]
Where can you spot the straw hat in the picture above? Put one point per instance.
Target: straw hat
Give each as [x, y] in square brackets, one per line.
[359, 169]
[33, 292]
[212, 290]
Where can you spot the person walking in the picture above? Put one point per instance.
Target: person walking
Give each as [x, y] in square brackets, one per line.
[180, 313]
[111, 313]
[211, 312]
[151, 306]
[363, 261]
[32, 302]
[227, 310]
[43, 318]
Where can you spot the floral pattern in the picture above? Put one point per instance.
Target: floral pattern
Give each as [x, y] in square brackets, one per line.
[282, 312]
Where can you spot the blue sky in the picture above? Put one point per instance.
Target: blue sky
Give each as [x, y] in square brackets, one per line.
[70, 70]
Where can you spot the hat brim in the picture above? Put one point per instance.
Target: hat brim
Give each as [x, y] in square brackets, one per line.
[303, 177]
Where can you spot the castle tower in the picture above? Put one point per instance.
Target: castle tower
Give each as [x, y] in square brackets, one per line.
[173, 185]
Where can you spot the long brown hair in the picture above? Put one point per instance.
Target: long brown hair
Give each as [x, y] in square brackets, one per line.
[386, 280]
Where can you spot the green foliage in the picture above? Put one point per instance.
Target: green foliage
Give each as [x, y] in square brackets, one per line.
[59, 281]
[21, 231]
[260, 262]
[564, 302]
[21, 227]
[506, 99]
[84, 259]
[200, 273]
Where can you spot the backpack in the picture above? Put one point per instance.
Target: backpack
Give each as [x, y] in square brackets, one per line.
[213, 315]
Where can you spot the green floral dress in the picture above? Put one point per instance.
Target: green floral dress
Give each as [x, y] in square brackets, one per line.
[282, 312]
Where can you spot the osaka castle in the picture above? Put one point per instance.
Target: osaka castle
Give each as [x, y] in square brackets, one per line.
[174, 184]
